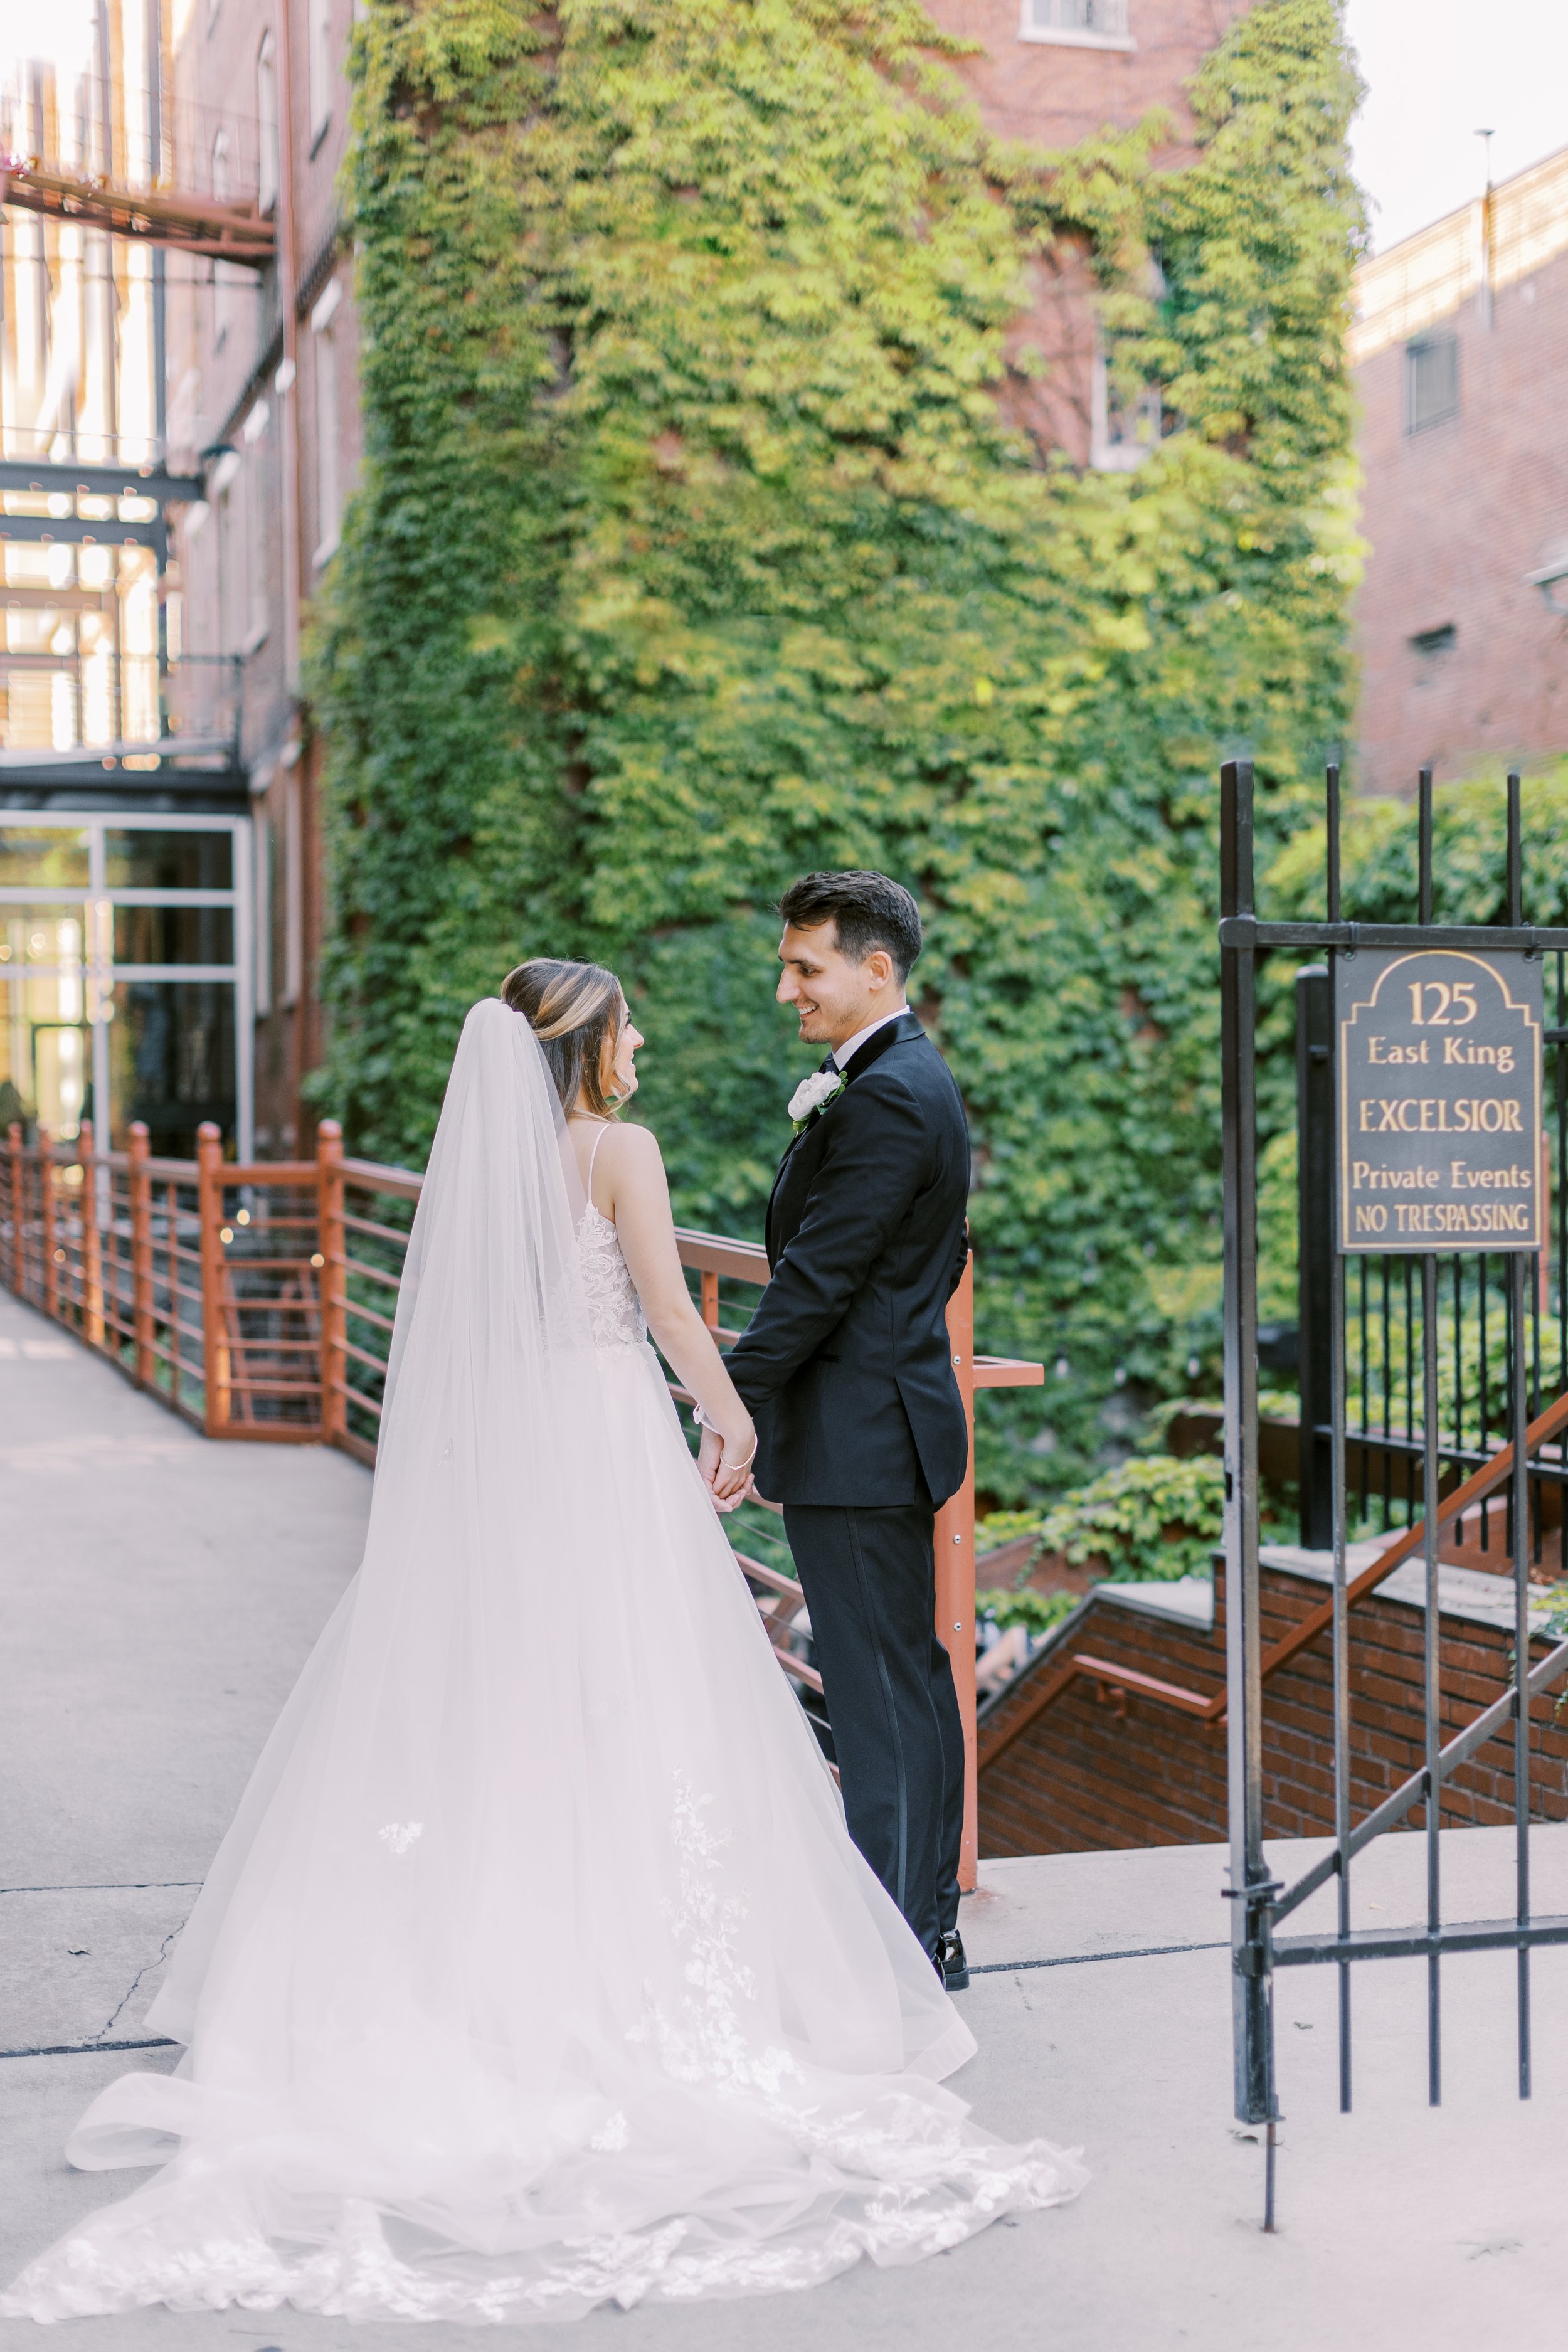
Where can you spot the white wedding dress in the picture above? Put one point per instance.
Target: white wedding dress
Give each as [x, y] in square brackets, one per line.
[537, 1970]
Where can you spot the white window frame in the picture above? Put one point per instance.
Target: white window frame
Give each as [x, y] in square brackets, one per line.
[1074, 36]
[268, 128]
[222, 192]
[319, 68]
[1120, 456]
[327, 391]
[98, 900]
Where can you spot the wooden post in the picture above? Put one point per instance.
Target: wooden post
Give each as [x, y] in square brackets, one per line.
[19, 1203]
[209, 1216]
[955, 1570]
[92, 1239]
[141, 1187]
[46, 1220]
[710, 1300]
[332, 1278]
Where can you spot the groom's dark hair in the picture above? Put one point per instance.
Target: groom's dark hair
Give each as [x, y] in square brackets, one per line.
[867, 911]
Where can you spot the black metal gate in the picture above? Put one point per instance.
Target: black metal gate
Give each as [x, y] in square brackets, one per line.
[1388, 1343]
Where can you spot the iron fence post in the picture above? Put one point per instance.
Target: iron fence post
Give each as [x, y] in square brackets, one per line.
[1249, 1880]
[1315, 1249]
[1519, 1401]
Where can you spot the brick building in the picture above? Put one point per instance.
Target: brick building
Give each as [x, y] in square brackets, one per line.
[228, 387]
[178, 433]
[261, 402]
[1460, 351]
[1051, 71]
[1055, 72]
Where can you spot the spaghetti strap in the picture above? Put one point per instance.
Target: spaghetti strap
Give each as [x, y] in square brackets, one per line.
[592, 1156]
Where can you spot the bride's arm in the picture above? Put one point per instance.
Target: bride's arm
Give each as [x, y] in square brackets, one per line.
[631, 1170]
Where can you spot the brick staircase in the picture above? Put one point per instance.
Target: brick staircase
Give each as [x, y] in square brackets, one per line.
[1115, 1734]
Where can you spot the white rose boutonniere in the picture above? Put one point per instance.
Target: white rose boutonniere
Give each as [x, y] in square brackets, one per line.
[815, 1093]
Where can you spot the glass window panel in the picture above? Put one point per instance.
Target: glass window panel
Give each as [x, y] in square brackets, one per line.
[16, 1091]
[37, 858]
[62, 1076]
[45, 1053]
[172, 1054]
[150, 860]
[40, 935]
[174, 935]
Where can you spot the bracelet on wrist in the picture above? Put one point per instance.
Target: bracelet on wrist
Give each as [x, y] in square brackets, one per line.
[700, 1418]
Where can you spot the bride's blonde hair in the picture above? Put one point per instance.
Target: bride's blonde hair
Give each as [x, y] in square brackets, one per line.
[575, 1011]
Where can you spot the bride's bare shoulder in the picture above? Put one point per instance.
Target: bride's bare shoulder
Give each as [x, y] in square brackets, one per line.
[630, 1154]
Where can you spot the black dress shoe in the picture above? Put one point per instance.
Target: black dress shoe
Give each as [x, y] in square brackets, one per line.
[953, 1966]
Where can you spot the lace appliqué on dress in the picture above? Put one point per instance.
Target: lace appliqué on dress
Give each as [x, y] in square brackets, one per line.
[614, 1312]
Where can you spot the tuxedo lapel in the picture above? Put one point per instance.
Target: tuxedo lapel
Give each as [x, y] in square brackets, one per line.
[893, 1032]
[901, 1032]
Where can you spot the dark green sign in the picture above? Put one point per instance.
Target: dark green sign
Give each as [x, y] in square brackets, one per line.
[1439, 1100]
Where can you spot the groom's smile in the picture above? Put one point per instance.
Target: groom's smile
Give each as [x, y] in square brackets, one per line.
[833, 996]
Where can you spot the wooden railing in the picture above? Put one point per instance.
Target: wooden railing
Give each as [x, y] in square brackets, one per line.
[258, 1302]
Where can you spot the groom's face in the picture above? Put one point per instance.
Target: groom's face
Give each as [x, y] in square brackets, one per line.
[832, 996]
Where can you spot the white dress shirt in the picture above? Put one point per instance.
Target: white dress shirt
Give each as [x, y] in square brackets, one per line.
[841, 1053]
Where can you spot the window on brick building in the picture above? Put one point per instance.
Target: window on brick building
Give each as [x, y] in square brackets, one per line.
[328, 483]
[1083, 24]
[267, 140]
[1120, 436]
[1429, 643]
[1431, 381]
[223, 275]
[319, 26]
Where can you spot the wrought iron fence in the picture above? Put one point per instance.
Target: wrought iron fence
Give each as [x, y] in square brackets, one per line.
[1367, 1324]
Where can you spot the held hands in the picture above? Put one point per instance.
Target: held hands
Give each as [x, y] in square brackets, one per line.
[726, 1467]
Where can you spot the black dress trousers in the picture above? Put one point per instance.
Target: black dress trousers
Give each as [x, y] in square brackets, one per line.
[868, 1576]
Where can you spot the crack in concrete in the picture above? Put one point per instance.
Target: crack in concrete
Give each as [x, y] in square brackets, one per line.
[112, 1886]
[146, 1966]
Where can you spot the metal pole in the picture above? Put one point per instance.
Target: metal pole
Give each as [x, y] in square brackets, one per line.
[1315, 1254]
[1249, 1880]
[1521, 1531]
[1342, 1640]
[1432, 1648]
[1432, 1669]
[1520, 1658]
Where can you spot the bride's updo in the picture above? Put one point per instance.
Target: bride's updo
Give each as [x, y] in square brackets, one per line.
[575, 1011]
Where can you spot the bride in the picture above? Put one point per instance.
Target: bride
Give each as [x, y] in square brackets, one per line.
[538, 1970]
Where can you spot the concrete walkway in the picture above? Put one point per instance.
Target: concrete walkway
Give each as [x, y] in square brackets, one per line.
[159, 1595]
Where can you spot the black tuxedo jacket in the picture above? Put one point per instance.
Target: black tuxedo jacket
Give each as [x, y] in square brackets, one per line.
[845, 1366]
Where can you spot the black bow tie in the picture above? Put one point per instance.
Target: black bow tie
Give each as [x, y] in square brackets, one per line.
[830, 1063]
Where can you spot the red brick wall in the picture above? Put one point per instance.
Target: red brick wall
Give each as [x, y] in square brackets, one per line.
[1089, 1772]
[1054, 95]
[1455, 516]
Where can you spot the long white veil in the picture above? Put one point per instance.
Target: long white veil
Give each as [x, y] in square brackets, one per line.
[537, 1966]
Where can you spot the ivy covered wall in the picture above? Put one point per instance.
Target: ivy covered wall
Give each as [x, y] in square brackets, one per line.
[692, 553]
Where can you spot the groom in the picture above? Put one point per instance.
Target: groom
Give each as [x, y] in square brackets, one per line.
[846, 1369]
